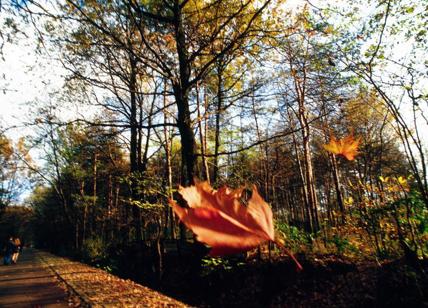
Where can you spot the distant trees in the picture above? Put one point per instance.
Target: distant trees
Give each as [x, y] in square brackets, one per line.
[16, 221]
[87, 181]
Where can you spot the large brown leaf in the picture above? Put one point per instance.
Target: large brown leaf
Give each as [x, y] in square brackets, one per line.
[220, 220]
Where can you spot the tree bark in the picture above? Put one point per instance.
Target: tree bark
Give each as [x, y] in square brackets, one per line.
[205, 169]
[181, 88]
[133, 155]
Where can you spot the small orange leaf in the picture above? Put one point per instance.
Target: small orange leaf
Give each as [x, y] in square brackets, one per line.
[347, 147]
[220, 220]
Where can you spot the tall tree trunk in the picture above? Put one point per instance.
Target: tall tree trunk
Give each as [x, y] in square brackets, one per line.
[169, 213]
[310, 182]
[263, 149]
[307, 205]
[181, 88]
[218, 112]
[332, 158]
[336, 181]
[85, 215]
[206, 173]
[300, 87]
[94, 190]
[107, 222]
[133, 155]
[187, 139]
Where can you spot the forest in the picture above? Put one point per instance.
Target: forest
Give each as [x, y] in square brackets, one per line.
[271, 152]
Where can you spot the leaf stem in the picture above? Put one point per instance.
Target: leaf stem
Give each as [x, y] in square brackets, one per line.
[284, 249]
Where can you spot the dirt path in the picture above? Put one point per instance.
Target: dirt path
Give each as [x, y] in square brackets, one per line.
[29, 283]
[41, 279]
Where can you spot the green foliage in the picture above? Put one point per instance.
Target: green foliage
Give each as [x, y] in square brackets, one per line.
[343, 245]
[211, 264]
[150, 194]
[397, 222]
[85, 192]
[97, 252]
[412, 214]
[49, 225]
[94, 249]
[295, 238]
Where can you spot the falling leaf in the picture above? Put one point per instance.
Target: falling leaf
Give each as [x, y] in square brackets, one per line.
[220, 220]
[347, 147]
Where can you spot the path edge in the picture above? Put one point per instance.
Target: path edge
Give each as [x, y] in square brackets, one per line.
[85, 301]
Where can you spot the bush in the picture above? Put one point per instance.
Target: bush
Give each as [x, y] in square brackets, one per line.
[295, 238]
[94, 250]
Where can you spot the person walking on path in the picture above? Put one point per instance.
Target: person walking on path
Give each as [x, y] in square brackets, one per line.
[16, 250]
[10, 249]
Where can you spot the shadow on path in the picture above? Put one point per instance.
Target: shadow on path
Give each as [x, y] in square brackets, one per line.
[30, 284]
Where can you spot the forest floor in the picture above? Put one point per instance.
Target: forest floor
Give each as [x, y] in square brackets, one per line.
[326, 281]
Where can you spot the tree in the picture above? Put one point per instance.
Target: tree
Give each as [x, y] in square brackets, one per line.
[370, 53]
[16, 221]
[83, 173]
[11, 170]
[176, 39]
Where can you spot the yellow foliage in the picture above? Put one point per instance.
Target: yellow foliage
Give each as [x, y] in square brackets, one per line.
[349, 201]
[6, 149]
